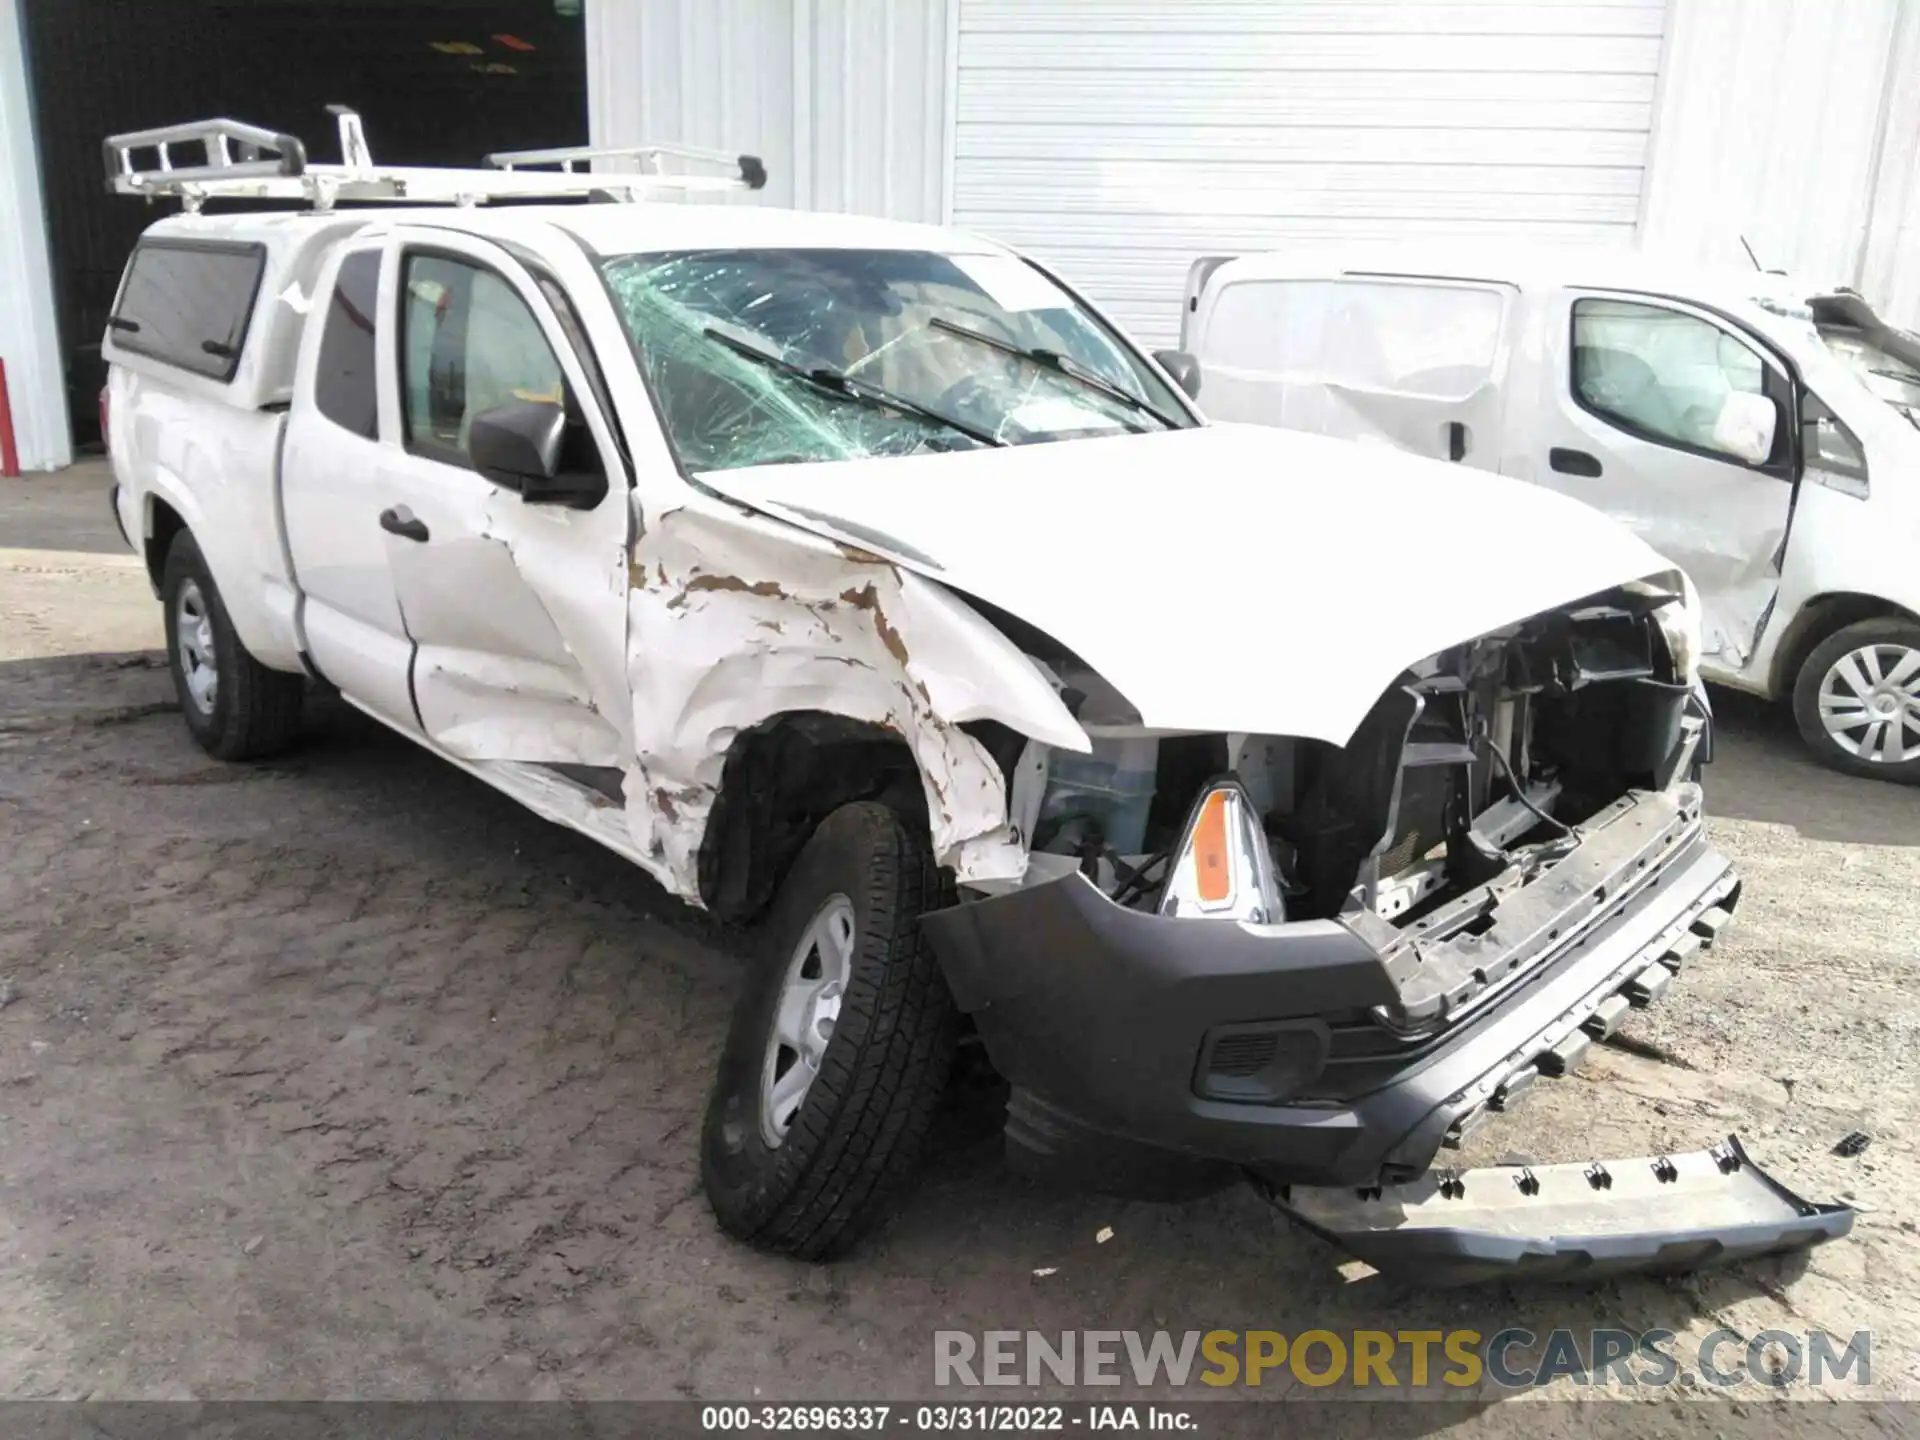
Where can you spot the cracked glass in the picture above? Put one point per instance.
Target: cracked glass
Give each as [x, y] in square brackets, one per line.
[763, 357]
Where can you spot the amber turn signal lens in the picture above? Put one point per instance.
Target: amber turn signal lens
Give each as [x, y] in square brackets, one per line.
[1213, 867]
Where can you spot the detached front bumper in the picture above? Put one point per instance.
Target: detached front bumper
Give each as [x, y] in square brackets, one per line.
[1138, 1047]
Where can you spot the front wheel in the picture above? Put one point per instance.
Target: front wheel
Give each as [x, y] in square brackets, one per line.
[1857, 700]
[235, 707]
[839, 1048]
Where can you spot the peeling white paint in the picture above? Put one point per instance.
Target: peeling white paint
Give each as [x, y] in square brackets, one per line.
[734, 619]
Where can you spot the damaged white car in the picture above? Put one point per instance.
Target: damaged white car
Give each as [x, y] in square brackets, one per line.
[1262, 804]
[1760, 430]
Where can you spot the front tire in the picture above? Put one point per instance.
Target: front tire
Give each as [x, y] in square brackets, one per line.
[839, 1048]
[1857, 700]
[235, 707]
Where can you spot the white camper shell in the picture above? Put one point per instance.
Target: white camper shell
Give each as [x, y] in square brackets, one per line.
[1760, 430]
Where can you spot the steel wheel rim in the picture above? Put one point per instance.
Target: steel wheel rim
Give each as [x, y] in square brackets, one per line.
[1870, 703]
[804, 1016]
[193, 634]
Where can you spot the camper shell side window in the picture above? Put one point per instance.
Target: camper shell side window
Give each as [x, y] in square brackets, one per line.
[189, 303]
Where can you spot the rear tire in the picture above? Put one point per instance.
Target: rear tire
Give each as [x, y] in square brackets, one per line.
[808, 1174]
[235, 707]
[1867, 672]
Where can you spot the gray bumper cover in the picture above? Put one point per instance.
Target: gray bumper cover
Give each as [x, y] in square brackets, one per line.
[1660, 1214]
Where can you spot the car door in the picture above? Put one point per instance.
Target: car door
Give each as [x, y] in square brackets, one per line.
[515, 605]
[1675, 422]
[330, 496]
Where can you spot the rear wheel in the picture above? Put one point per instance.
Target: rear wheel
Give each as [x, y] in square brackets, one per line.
[1857, 700]
[839, 1048]
[235, 707]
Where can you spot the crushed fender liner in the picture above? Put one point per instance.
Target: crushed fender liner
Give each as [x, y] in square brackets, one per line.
[1660, 1214]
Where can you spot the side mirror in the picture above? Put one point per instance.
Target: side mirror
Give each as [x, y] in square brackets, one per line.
[1745, 426]
[1184, 369]
[520, 445]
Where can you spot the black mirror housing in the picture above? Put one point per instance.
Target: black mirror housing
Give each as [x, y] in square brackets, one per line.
[1184, 369]
[519, 446]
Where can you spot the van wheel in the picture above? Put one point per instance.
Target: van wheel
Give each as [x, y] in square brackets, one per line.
[1857, 700]
[839, 1048]
[235, 707]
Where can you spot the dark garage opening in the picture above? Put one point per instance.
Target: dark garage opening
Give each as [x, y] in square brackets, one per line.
[437, 82]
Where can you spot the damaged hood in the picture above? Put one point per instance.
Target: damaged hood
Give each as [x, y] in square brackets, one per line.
[1225, 578]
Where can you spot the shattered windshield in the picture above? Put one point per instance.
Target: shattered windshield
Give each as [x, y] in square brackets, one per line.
[761, 357]
[1886, 359]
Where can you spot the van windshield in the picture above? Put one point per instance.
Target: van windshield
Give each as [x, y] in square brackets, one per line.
[1887, 360]
[761, 357]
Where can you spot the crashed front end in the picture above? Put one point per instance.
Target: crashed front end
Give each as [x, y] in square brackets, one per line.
[1327, 965]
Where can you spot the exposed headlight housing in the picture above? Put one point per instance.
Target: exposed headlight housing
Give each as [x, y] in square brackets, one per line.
[1679, 621]
[1223, 869]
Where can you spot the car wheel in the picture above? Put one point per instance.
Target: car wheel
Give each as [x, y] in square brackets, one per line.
[839, 1048]
[235, 707]
[1857, 700]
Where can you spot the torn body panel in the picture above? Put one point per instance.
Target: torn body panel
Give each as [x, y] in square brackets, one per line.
[734, 619]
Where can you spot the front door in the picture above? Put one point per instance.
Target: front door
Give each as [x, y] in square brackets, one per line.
[516, 609]
[1649, 414]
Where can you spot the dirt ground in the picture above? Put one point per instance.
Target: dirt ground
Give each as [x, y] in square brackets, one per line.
[342, 1076]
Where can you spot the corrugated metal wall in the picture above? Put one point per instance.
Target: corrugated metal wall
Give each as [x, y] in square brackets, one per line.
[1795, 123]
[1785, 120]
[1118, 139]
[844, 99]
[29, 342]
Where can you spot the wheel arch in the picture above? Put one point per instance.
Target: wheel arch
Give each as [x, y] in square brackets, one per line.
[782, 777]
[1818, 618]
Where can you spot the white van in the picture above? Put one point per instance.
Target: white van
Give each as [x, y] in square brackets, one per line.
[1761, 431]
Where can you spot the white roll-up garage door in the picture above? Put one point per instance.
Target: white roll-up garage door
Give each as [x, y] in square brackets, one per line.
[1120, 139]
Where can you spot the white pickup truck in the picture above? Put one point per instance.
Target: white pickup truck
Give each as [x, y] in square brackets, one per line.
[1252, 806]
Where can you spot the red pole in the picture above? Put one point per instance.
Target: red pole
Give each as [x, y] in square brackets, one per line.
[9, 452]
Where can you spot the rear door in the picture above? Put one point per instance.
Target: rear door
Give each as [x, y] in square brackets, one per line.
[1635, 418]
[517, 610]
[330, 495]
[1416, 363]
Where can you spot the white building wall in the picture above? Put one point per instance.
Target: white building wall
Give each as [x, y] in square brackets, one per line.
[29, 340]
[845, 100]
[1796, 124]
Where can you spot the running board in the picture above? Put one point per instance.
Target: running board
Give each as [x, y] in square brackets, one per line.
[1657, 1215]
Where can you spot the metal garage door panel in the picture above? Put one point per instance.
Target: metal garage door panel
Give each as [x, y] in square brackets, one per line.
[1119, 139]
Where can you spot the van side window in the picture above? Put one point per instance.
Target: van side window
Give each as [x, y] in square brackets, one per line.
[468, 343]
[1660, 374]
[188, 303]
[1435, 340]
[343, 382]
[1830, 446]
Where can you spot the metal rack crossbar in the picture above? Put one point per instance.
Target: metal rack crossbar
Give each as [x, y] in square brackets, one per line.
[240, 161]
[650, 160]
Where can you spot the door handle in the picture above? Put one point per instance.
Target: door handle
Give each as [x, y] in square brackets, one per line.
[1573, 462]
[403, 522]
[1456, 441]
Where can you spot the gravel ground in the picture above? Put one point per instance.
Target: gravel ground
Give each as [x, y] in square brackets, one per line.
[342, 1076]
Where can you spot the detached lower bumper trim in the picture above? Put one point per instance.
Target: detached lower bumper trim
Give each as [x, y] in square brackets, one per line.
[1657, 1215]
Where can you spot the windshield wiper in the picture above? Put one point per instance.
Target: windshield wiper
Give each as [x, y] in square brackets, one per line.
[1905, 377]
[1055, 363]
[843, 386]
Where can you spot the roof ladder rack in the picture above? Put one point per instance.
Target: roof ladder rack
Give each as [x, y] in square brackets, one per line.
[241, 161]
[751, 173]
